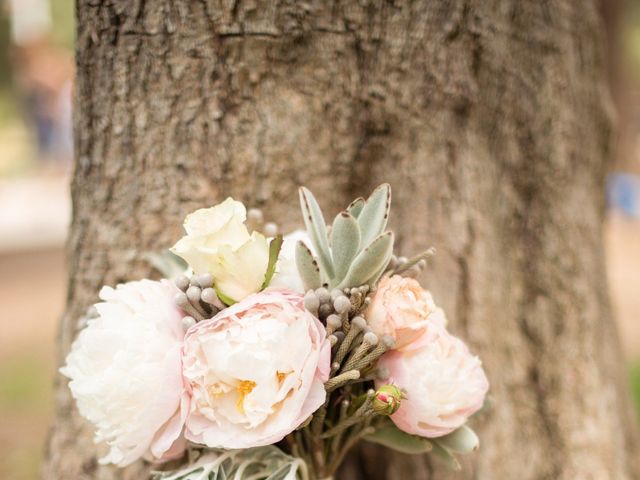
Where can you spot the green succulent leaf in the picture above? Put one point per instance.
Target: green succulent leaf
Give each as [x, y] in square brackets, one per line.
[462, 440]
[345, 243]
[371, 281]
[274, 250]
[391, 437]
[369, 261]
[374, 214]
[307, 267]
[316, 228]
[355, 207]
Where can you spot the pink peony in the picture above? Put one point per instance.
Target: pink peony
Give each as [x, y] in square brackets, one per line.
[402, 309]
[443, 382]
[256, 371]
[126, 375]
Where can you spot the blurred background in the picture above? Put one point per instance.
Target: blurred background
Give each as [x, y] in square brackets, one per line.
[36, 72]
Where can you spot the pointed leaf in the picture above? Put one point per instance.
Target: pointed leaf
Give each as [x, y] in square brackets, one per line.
[355, 207]
[462, 440]
[369, 261]
[316, 228]
[274, 250]
[374, 215]
[391, 437]
[307, 267]
[345, 243]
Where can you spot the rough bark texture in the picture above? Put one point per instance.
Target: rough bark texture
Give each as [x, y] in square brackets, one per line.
[490, 119]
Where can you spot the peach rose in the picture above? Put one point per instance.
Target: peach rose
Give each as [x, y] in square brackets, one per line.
[402, 309]
[444, 384]
[256, 371]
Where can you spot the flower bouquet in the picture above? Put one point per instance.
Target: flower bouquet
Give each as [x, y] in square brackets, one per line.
[271, 357]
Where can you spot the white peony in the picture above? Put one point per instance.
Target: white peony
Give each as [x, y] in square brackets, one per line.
[256, 371]
[126, 372]
[443, 382]
[218, 242]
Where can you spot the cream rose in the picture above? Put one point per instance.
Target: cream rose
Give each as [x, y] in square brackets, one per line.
[218, 242]
[126, 374]
[444, 384]
[402, 309]
[256, 371]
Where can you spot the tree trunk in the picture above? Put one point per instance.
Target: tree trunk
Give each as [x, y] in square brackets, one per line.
[491, 121]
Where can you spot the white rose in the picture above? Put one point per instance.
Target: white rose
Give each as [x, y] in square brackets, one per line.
[218, 242]
[126, 372]
[256, 371]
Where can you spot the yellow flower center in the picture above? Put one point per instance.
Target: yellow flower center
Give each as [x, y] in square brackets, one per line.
[243, 388]
[280, 376]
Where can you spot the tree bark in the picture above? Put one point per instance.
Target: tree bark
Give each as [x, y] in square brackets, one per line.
[491, 121]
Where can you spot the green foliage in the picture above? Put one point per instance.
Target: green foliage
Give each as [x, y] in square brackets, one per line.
[167, 263]
[307, 267]
[262, 463]
[388, 435]
[274, 250]
[358, 250]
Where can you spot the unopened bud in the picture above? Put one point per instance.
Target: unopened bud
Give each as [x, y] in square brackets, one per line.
[387, 400]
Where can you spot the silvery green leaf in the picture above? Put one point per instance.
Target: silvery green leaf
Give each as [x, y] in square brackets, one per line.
[462, 440]
[445, 454]
[345, 243]
[167, 263]
[391, 437]
[369, 261]
[355, 207]
[307, 267]
[316, 228]
[374, 214]
[371, 281]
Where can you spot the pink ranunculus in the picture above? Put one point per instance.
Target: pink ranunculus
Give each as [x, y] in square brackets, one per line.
[126, 372]
[402, 309]
[256, 371]
[443, 382]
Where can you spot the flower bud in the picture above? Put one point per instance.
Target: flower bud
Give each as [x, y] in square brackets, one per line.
[386, 400]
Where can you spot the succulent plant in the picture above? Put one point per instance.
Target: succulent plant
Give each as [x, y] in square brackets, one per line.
[358, 248]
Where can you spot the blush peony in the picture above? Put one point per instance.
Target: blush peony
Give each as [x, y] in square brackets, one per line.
[256, 371]
[125, 372]
[402, 309]
[444, 384]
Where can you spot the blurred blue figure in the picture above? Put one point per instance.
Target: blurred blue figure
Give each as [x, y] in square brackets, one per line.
[623, 194]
